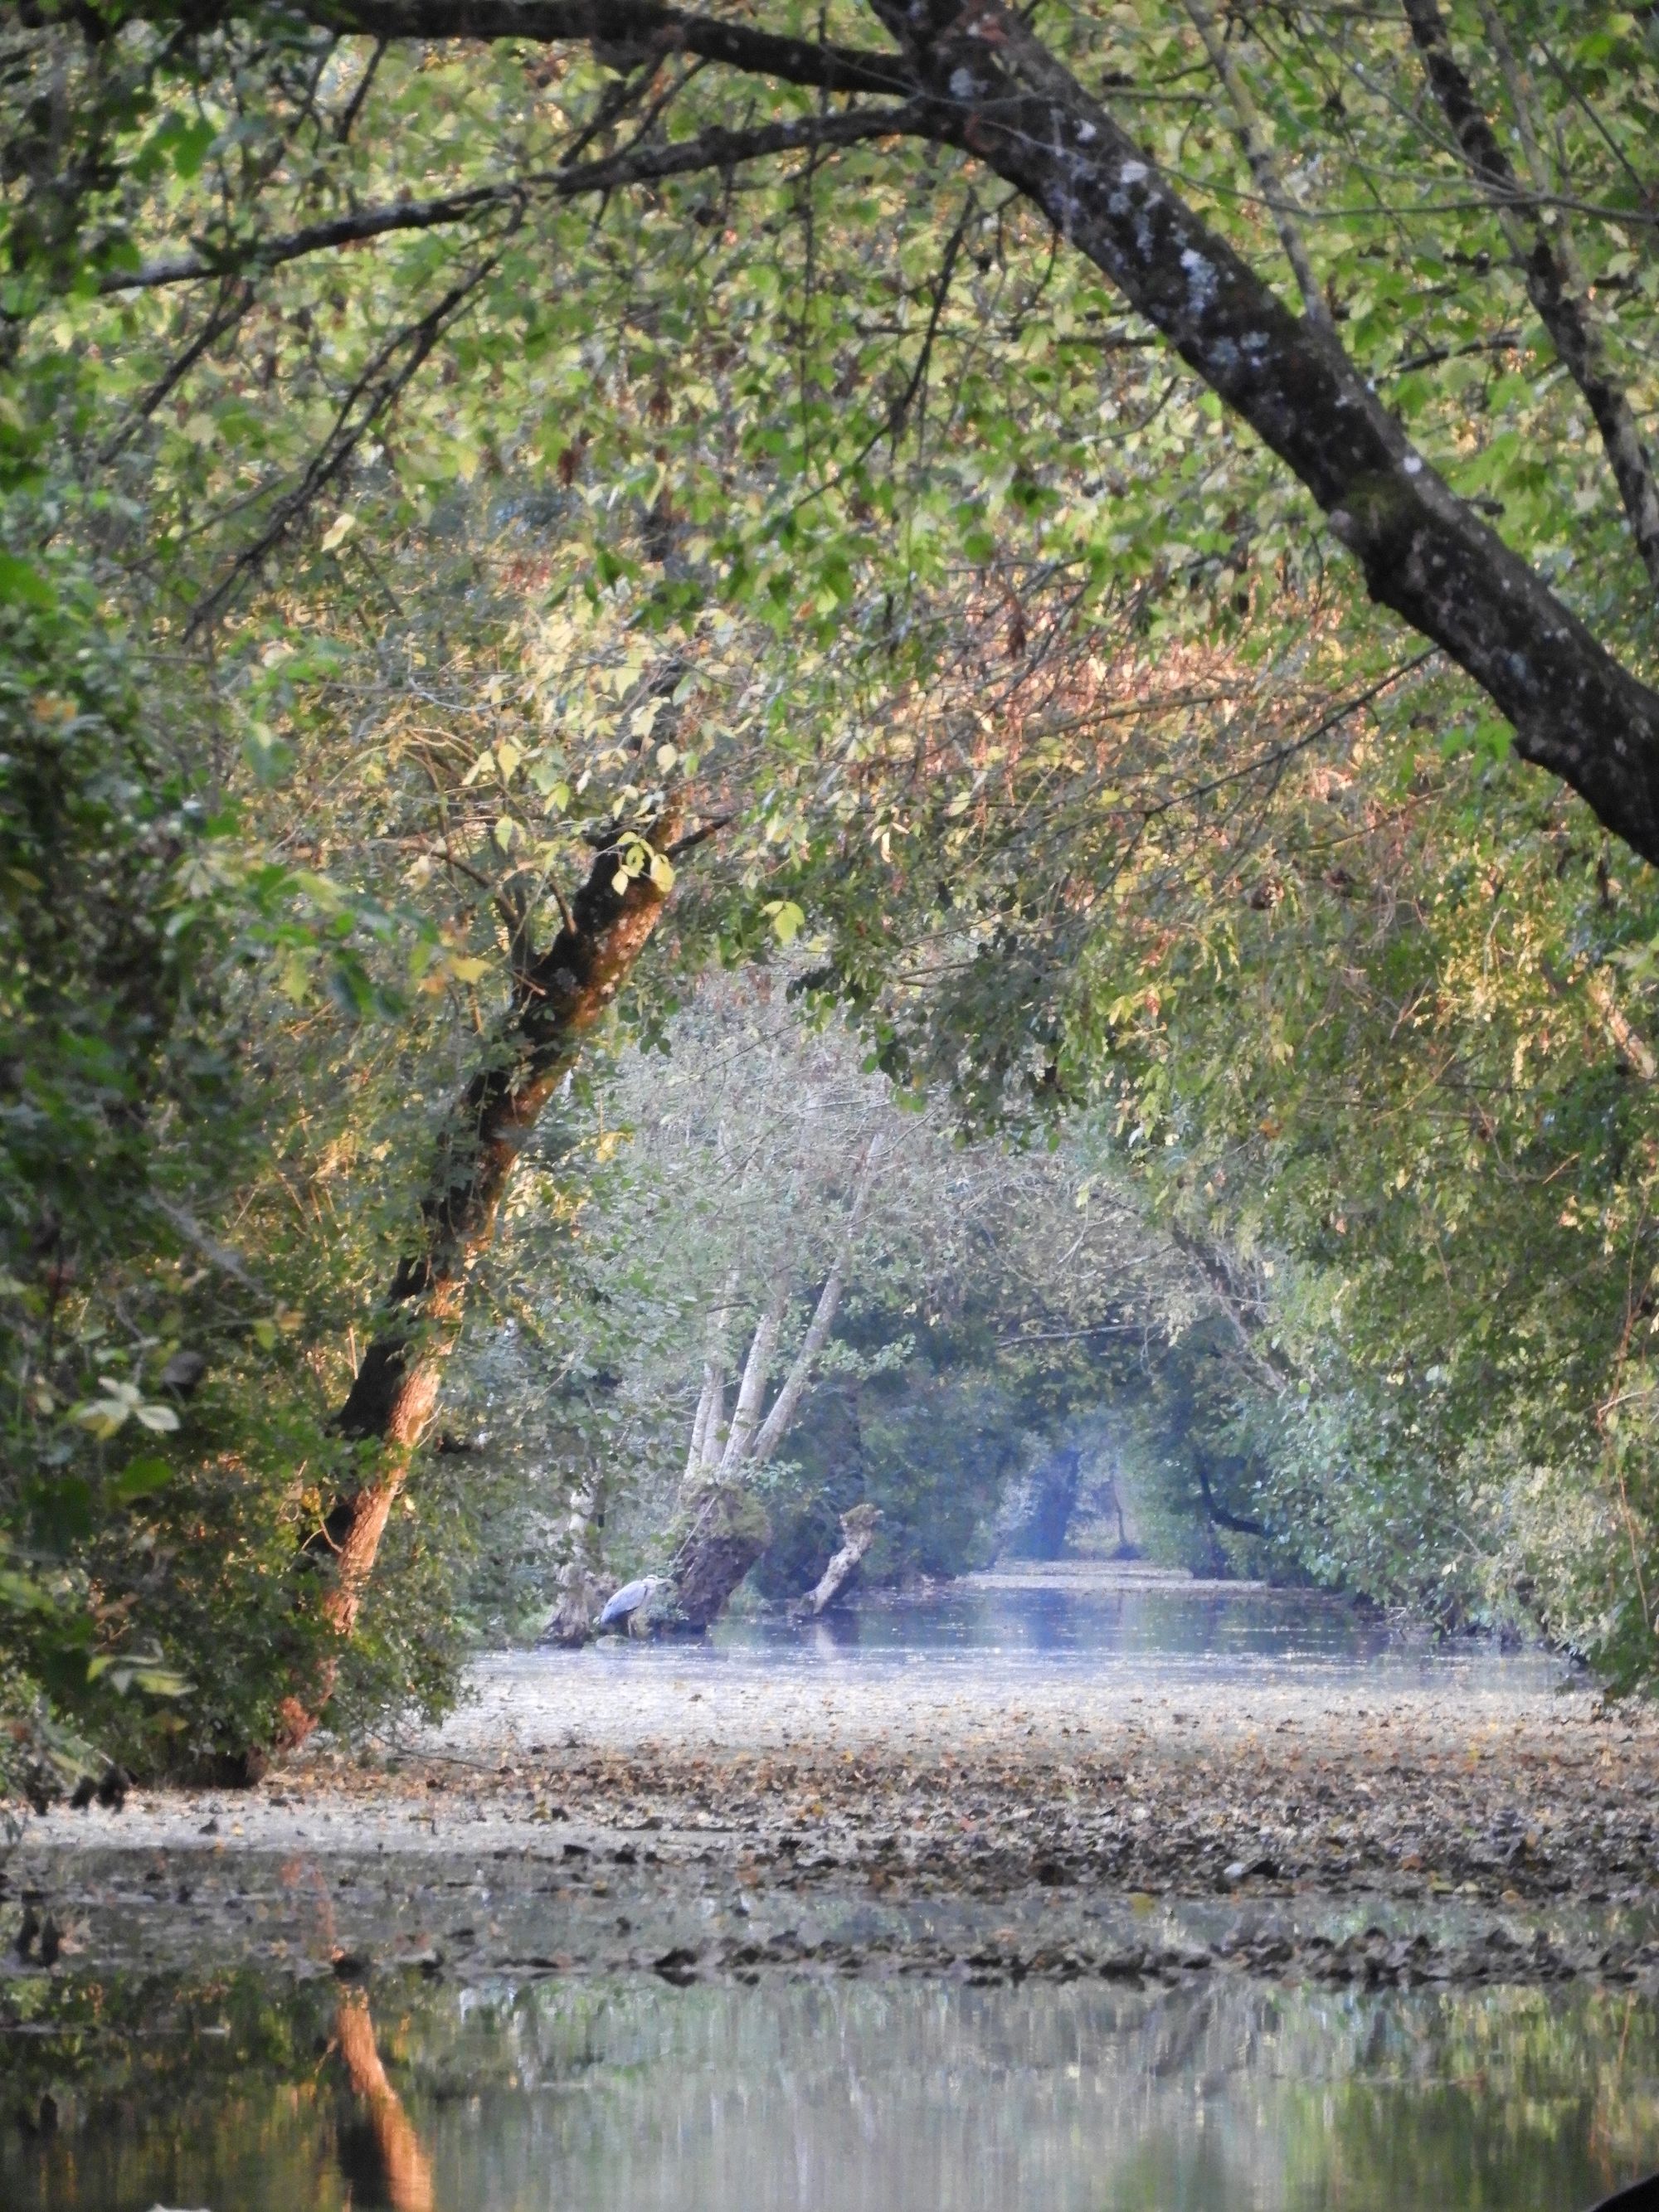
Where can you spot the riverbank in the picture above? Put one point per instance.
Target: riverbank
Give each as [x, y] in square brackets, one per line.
[631, 1808]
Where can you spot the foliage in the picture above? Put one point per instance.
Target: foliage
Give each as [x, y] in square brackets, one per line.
[346, 601]
[959, 1340]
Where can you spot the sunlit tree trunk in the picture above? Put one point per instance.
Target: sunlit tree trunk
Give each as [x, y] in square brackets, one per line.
[557, 998]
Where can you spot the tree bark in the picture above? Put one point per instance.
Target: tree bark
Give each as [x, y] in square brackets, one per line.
[557, 998]
[729, 1532]
[703, 1454]
[581, 1587]
[751, 1389]
[711, 1410]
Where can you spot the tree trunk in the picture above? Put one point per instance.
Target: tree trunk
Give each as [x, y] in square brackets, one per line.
[858, 1530]
[711, 1410]
[751, 1389]
[704, 1451]
[729, 1529]
[1044, 1505]
[729, 1533]
[581, 1586]
[779, 1421]
[557, 998]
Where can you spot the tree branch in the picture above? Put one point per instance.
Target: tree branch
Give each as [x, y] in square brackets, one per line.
[377, 390]
[236, 300]
[775, 1426]
[996, 91]
[1253, 138]
[1239, 1524]
[1555, 285]
[711, 149]
[979, 79]
[625, 28]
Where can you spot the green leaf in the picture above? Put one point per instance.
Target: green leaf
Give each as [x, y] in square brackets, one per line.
[190, 148]
[22, 585]
[141, 1478]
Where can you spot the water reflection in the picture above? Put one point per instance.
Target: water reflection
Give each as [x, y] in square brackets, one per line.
[382, 2157]
[811, 2094]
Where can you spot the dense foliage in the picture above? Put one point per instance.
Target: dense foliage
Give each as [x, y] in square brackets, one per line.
[427, 460]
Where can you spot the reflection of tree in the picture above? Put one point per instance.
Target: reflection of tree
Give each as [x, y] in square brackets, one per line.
[396, 2169]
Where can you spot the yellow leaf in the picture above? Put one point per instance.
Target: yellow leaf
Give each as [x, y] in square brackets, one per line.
[338, 530]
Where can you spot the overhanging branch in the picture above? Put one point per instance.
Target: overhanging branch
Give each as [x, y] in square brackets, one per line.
[710, 149]
[625, 28]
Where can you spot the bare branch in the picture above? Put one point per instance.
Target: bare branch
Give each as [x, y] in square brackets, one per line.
[1253, 138]
[235, 303]
[625, 31]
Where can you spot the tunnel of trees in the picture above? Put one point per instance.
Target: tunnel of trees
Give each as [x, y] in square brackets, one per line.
[744, 755]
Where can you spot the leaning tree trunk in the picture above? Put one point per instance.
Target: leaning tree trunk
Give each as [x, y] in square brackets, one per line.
[557, 998]
[729, 1531]
[727, 1528]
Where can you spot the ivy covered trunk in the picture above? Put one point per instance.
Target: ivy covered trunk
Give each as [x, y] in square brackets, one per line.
[729, 1530]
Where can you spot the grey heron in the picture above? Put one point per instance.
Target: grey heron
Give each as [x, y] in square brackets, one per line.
[631, 1599]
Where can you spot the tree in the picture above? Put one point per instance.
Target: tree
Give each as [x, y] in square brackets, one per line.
[559, 995]
[906, 1314]
[881, 414]
[1005, 101]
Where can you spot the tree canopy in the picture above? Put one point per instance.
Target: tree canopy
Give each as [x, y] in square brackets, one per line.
[1120, 544]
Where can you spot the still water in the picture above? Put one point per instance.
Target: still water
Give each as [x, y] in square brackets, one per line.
[1140, 1627]
[634, 2097]
[235, 2090]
